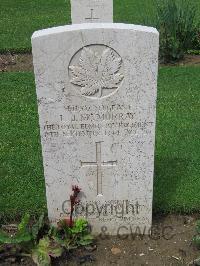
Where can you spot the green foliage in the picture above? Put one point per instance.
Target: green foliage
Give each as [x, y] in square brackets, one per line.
[85, 240]
[176, 21]
[42, 241]
[79, 226]
[196, 41]
[37, 227]
[23, 234]
[77, 235]
[5, 238]
[46, 249]
[81, 232]
[196, 238]
[194, 52]
[198, 226]
[22, 227]
[177, 27]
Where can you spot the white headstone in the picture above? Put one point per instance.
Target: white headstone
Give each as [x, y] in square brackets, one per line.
[96, 89]
[91, 11]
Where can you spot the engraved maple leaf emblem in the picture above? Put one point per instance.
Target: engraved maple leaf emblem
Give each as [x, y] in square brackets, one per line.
[96, 72]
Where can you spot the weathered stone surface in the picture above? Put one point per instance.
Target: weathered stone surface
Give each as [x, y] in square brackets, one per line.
[91, 11]
[96, 89]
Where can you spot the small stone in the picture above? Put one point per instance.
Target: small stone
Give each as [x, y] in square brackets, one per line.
[142, 254]
[91, 248]
[176, 258]
[188, 220]
[115, 251]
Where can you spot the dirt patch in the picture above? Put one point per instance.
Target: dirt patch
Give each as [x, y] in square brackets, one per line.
[24, 62]
[189, 60]
[16, 62]
[170, 245]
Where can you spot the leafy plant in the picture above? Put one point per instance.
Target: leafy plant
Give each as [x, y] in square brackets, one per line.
[193, 52]
[41, 241]
[177, 28]
[46, 249]
[77, 235]
[177, 25]
[23, 241]
[23, 234]
[196, 41]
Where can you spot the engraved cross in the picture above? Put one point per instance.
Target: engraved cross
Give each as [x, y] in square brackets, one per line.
[91, 16]
[99, 163]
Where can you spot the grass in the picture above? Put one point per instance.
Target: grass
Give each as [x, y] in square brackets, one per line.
[20, 18]
[177, 167]
[21, 171]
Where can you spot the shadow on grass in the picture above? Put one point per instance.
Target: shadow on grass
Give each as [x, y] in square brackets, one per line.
[169, 178]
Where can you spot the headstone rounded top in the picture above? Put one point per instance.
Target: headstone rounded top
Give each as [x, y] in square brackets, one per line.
[94, 26]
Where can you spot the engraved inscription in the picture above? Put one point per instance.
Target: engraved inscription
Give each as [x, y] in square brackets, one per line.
[99, 165]
[92, 17]
[88, 121]
[97, 72]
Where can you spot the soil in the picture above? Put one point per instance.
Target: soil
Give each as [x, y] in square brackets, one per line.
[24, 62]
[170, 245]
[16, 62]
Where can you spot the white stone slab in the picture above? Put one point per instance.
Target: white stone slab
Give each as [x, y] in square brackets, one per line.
[91, 11]
[96, 89]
